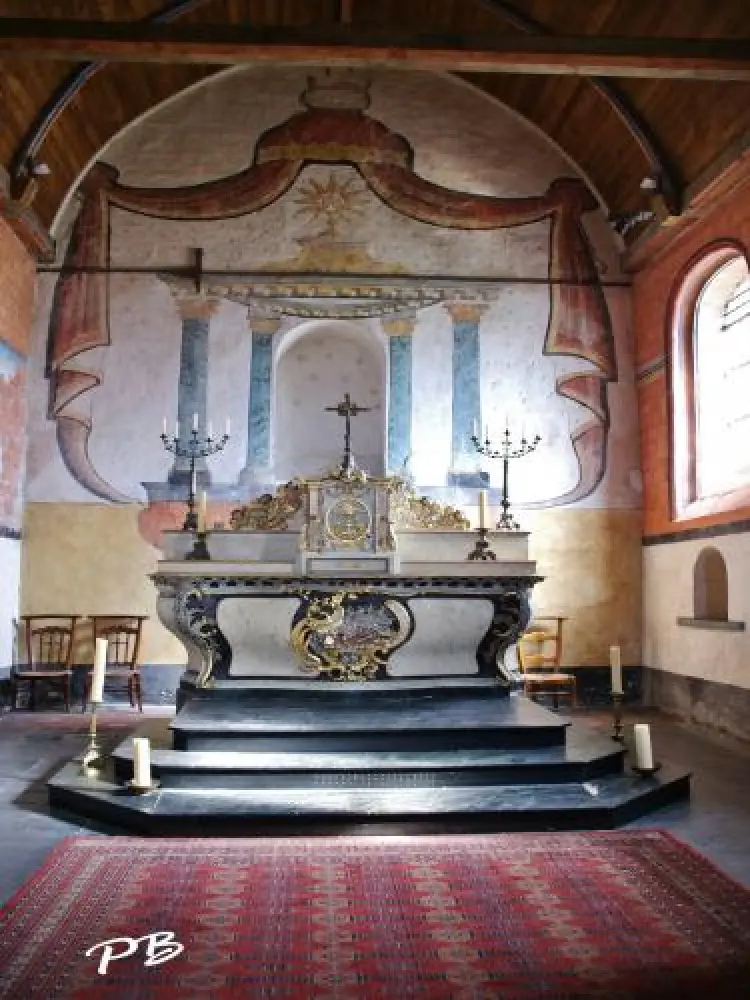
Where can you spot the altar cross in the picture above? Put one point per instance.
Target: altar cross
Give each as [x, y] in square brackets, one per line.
[347, 409]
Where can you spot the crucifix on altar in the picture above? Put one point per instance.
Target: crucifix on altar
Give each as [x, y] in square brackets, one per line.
[347, 409]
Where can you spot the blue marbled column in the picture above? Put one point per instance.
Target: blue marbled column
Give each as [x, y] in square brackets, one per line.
[467, 406]
[196, 312]
[399, 333]
[259, 404]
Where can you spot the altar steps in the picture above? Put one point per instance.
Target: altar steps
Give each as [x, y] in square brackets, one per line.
[404, 719]
[604, 804]
[588, 758]
[401, 757]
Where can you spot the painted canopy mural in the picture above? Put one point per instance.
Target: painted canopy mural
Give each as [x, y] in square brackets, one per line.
[337, 131]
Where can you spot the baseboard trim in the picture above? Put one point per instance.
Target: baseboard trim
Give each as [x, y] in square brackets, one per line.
[721, 707]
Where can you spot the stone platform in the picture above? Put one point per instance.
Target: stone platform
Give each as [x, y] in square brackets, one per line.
[310, 756]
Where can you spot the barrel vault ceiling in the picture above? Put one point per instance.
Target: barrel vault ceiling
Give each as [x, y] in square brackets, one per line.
[628, 89]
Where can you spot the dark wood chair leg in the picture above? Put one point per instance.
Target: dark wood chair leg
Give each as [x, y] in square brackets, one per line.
[139, 698]
[32, 694]
[131, 690]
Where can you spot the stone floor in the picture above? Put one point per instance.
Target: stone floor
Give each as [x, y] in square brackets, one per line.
[716, 821]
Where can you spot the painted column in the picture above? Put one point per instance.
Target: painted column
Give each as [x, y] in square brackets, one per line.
[399, 332]
[196, 312]
[258, 459]
[467, 406]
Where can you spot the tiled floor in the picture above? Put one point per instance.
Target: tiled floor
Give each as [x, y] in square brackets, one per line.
[716, 821]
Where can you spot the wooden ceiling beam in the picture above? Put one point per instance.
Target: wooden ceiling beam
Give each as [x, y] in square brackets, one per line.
[687, 59]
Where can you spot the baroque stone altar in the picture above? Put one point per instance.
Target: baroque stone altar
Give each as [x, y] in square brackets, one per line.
[345, 579]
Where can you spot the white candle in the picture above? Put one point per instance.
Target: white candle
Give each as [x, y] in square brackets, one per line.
[486, 432]
[177, 430]
[100, 667]
[202, 511]
[141, 762]
[195, 421]
[483, 508]
[644, 756]
[475, 429]
[616, 669]
[164, 427]
[226, 430]
[210, 429]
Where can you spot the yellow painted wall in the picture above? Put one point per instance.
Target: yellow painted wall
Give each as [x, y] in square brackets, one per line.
[90, 559]
[591, 561]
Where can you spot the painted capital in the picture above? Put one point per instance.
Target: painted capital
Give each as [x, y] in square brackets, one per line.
[401, 326]
[466, 312]
[195, 306]
[263, 324]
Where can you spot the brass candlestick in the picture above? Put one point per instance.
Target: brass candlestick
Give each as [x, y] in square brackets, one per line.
[617, 726]
[482, 550]
[92, 759]
[199, 549]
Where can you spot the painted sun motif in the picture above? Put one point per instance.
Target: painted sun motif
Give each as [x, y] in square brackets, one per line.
[334, 201]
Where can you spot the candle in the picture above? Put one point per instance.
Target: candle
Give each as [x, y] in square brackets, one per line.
[486, 432]
[177, 430]
[226, 430]
[202, 511]
[475, 429]
[210, 429]
[483, 508]
[164, 427]
[141, 762]
[616, 669]
[100, 667]
[195, 421]
[644, 756]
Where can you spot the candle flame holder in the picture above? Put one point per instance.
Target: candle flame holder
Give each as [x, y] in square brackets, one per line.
[482, 550]
[506, 452]
[617, 726]
[92, 759]
[193, 448]
[645, 772]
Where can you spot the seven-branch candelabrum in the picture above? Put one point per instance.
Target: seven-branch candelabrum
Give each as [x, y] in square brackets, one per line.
[506, 452]
[192, 448]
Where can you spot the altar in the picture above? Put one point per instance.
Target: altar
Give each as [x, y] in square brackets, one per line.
[345, 578]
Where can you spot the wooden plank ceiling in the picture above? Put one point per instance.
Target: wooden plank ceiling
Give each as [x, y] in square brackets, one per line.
[617, 131]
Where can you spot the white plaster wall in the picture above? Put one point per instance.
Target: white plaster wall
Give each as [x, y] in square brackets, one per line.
[668, 593]
[10, 575]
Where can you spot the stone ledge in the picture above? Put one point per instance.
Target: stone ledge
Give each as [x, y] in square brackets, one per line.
[713, 624]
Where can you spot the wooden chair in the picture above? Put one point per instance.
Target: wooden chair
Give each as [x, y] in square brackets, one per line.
[539, 658]
[123, 635]
[48, 645]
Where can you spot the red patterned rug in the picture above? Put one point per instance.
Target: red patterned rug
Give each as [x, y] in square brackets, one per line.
[616, 915]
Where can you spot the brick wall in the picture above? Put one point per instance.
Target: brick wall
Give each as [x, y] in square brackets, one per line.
[652, 289]
[17, 281]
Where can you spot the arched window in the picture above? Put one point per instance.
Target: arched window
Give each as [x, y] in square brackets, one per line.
[711, 384]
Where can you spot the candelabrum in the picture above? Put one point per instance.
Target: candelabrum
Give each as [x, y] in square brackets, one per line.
[617, 727]
[506, 452]
[482, 548]
[193, 448]
[91, 759]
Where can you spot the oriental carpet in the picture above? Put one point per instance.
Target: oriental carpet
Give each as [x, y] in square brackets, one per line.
[613, 915]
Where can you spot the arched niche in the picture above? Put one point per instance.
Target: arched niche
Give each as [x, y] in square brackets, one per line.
[315, 364]
[710, 586]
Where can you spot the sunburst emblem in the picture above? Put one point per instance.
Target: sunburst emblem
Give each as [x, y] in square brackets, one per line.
[336, 202]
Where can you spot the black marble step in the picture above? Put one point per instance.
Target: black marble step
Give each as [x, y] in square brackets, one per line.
[605, 803]
[349, 722]
[584, 757]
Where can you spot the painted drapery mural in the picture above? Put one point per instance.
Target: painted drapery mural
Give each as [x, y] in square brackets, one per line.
[12, 438]
[327, 133]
